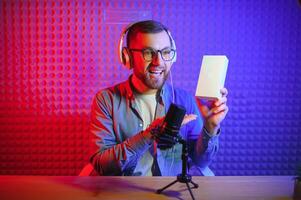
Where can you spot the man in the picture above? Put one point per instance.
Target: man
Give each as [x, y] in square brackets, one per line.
[127, 118]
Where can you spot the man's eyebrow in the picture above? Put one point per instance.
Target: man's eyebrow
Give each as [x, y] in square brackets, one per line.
[148, 47]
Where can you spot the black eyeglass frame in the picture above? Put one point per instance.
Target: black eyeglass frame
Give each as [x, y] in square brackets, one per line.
[155, 53]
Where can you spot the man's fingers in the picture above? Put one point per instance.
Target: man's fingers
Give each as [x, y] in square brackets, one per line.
[219, 109]
[188, 118]
[221, 101]
[224, 92]
[158, 121]
[166, 138]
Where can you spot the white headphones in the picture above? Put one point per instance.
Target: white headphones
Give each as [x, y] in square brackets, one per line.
[123, 51]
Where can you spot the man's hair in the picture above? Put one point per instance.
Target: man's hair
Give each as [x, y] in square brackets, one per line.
[148, 26]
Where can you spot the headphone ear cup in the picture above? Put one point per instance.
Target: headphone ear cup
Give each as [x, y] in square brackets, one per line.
[175, 48]
[126, 58]
[173, 45]
[175, 57]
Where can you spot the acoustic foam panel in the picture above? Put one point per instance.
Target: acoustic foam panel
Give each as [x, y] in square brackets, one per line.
[55, 55]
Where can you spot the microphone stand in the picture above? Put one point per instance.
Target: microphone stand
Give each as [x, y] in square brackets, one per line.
[183, 177]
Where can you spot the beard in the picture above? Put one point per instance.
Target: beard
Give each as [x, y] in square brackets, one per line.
[153, 80]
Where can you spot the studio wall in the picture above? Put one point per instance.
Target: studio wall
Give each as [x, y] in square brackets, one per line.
[55, 55]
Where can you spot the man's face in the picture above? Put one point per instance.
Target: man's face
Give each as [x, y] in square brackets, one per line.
[150, 73]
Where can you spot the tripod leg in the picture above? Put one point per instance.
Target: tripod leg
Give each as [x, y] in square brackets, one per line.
[167, 186]
[194, 184]
[191, 194]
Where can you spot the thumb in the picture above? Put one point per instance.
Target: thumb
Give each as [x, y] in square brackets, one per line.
[188, 118]
[204, 107]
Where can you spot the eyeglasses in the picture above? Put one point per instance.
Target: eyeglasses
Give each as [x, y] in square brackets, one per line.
[149, 54]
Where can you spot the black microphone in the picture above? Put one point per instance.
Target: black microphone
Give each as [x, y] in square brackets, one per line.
[173, 119]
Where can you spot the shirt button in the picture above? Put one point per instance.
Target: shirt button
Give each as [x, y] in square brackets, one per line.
[140, 125]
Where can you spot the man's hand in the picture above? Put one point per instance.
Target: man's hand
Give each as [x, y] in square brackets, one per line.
[166, 141]
[214, 112]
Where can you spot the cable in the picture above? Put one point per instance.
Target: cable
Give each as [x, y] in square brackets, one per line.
[173, 91]
[173, 101]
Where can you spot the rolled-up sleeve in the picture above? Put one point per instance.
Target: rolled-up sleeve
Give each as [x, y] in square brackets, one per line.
[113, 157]
[203, 147]
[206, 148]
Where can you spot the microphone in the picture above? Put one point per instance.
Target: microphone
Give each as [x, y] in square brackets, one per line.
[173, 119]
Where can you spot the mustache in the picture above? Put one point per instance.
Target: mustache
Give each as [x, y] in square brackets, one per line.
[157, 67]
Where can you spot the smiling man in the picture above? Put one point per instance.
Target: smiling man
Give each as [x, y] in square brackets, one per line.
[153, 70]
[127, 119]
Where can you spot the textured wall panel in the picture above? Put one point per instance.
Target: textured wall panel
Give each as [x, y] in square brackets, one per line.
[55, 55]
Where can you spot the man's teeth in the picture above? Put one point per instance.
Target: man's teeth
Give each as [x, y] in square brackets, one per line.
[156, 72]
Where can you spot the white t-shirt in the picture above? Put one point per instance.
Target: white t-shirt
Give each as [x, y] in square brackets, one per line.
[147, 108]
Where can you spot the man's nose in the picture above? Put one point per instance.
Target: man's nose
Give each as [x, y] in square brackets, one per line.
[157, 59]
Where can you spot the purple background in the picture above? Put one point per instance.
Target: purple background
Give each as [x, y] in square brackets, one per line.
[55, 55]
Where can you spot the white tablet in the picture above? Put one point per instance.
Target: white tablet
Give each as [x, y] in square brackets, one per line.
[212, 76]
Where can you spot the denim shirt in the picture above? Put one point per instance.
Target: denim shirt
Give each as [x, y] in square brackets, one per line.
[120, 140]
